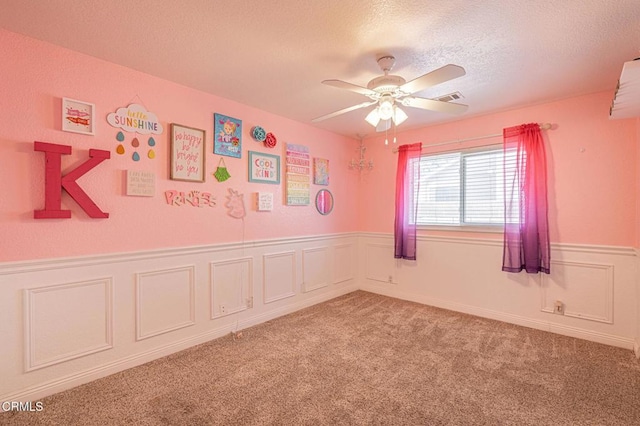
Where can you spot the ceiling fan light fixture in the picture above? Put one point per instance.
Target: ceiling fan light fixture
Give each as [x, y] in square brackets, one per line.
[387, 93]
[385, 110]
[399, 116]
[373, 117]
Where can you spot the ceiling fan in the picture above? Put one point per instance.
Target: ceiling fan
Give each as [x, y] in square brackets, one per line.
[391, 91]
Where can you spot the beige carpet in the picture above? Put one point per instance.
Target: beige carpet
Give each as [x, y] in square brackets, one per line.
[370, 360]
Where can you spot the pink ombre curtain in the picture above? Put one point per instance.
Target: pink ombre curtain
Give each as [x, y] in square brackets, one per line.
[526, 229]
[407, 180]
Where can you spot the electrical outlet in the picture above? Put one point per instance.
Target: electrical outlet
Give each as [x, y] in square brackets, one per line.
[223, 309]
[390, 279]
[250, 302]
[558, 307]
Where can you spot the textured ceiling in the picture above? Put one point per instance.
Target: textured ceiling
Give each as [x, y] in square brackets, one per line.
[273, 54]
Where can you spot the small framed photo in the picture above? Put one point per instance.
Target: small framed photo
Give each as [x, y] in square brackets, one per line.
[264, 168]
[187, 153]
[78, 116]
[320, 171]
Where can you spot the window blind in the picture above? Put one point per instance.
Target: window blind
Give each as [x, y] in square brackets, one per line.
[464, 188]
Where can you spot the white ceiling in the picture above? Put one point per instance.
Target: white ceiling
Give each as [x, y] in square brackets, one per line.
[273, 54]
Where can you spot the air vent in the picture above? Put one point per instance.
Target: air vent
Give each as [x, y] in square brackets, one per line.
[450, 97]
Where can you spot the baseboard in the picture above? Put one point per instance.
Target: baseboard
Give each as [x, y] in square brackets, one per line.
[580, 333]
[42, 390]
[636, 349]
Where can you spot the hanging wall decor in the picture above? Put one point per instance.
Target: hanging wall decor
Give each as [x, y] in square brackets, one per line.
[187, 153]
[194, 198]
[78, 116]
[258, 133]
[135, 119]
[264, 168]
[324, 202]
[141, 184]
[221, 174]
[235, 204]
[265, 201]
[298, 176]
[320, 171]
[270, 140]
[151, 142]
[227, 136]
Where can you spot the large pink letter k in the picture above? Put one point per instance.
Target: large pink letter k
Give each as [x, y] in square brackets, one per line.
[54, 182]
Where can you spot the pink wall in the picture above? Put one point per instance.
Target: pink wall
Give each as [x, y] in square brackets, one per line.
[592, 197]
[592, 194]
[36, 75]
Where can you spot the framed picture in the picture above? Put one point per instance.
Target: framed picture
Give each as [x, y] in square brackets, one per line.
[320, 171]
[264, 168]
[297, 188]
[227, 136]
[187, 153]
[78, 116]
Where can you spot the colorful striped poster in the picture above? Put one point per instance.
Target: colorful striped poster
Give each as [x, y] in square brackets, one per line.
[298, 174]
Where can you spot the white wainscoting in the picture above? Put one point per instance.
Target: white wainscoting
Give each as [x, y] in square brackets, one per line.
[464, 275]
[165, 301]
[343, 261]
[315, 268]
[379, 261]
[231, 286]
[58, 329]
[65, 322]
[584, 289]
[279, 276]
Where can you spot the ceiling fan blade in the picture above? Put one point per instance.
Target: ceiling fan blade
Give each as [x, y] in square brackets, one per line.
[342, 111]
[383, 125]
[348, 86]
[434, 105]
[446, 73]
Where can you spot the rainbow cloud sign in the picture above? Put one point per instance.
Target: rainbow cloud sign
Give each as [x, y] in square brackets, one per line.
[136, 119]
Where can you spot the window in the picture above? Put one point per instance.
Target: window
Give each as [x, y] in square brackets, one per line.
[464, 188]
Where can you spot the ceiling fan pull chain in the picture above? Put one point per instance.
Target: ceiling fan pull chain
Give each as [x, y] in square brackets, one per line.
[395, 126]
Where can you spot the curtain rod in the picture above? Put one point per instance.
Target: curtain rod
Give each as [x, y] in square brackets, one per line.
[543, 126]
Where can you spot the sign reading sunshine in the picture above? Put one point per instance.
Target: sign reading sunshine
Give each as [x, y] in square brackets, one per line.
[136, 119]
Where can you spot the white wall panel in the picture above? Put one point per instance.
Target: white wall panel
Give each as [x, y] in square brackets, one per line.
[315, 268]
[165, 301]
[279, 276]
[379, 263]
[585, 290]
[67, 321]
[231, 286]
[343, 263]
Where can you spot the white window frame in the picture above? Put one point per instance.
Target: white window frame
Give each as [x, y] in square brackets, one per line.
[465, 227]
